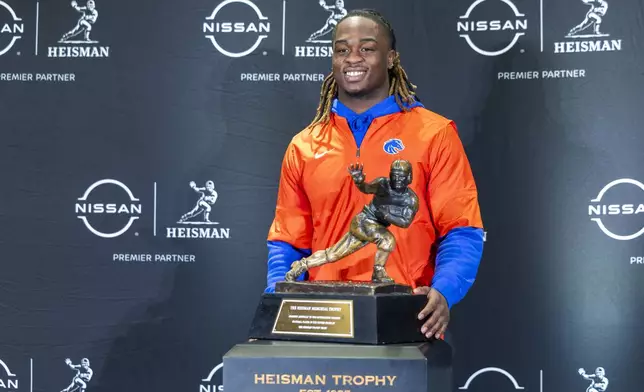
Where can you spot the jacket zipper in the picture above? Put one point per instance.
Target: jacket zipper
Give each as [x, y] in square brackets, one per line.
[368, 134]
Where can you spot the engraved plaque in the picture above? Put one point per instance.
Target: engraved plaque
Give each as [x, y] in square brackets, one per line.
[315, 318]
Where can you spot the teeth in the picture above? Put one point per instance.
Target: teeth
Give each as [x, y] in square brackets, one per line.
[355, 73]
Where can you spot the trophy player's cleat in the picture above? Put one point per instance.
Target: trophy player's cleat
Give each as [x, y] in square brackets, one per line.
[380, 275]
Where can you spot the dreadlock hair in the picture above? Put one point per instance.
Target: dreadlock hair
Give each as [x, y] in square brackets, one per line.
[399, 84]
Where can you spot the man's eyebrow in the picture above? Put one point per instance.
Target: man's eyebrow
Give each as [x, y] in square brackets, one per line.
[368, 39]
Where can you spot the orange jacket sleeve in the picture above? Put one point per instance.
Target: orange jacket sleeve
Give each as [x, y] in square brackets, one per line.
[451, 191]
[292, 222]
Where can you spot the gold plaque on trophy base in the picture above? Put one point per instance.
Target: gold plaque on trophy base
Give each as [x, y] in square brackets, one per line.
[332, 318]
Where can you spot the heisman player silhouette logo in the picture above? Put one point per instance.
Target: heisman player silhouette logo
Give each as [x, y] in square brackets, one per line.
[598, 381]
[204, 204]
[593, 18]
[83, 375]
[337, 12]
[89, 14]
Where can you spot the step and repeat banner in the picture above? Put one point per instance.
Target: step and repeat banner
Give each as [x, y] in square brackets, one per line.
[140, 150]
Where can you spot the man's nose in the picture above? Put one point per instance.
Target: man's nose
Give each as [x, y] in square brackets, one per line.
[354, 57]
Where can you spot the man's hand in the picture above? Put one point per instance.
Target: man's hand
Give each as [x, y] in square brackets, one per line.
[438, 311]
[356, 172]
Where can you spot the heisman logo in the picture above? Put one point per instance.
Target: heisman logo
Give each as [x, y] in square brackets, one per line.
[88, 17]
[598, 381]
[83, 45]
[584, 37]
[593, 18]
[393, 146]
[322, 36]
[208, 196]
[83, 375]
[337, 13]
[204, 204]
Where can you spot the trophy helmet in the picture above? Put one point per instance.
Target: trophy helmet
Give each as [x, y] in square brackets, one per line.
[403, 166]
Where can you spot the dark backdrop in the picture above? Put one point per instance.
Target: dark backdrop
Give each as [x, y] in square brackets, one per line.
[151, 104]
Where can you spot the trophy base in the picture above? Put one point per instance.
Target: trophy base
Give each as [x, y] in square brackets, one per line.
[340, 312]
[299, 366]
[342, 287]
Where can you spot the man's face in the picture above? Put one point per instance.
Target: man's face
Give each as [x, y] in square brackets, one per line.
[91, 5]
[361, 56]
[399, 179]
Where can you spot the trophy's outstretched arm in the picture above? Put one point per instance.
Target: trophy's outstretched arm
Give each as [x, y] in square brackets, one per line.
[372, 187]
[358, 178]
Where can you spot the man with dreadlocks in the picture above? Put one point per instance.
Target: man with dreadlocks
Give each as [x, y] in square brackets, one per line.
[369, 115]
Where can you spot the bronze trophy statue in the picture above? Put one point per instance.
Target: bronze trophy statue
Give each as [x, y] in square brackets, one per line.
[393, 203]
[379, 311]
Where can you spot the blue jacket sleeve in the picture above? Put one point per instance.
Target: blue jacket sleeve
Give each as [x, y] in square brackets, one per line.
[280, 257]
[457, 262]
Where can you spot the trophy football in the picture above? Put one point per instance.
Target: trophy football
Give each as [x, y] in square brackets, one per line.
[346, 335]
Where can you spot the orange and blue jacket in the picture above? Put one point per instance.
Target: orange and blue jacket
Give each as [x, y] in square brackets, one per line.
[317, 199]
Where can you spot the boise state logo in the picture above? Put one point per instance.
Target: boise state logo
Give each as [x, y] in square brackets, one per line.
[393, 146]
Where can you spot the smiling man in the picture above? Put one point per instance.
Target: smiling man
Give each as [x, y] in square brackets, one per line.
[369, 115]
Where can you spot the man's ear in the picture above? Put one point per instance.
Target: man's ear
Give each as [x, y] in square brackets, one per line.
[391, 57]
